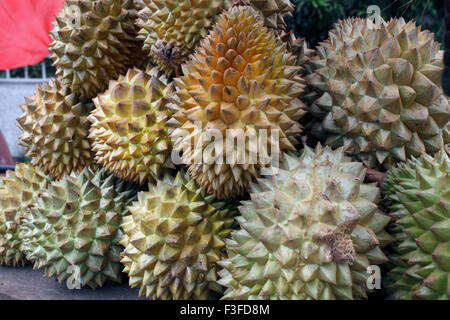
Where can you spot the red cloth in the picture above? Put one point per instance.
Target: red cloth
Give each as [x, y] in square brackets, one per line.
[24, 31]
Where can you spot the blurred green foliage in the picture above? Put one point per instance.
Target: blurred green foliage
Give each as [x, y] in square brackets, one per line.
[314, 18]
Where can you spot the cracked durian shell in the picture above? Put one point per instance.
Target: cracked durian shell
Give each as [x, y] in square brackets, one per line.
[419, 192]
[172, 29]
[309, 232]
[274, 11]
[380, 91]
[19, 190]
[240, 81]
[55, 128]
[129, 132]
[173, 240]
[102, 47]
[74, 229]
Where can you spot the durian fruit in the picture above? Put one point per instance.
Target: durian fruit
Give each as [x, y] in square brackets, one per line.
[299, 47]
[74, 230]
[380, 91]
[305, 57]
[94, 41]
[19, 190]
[241, 80]
[309, 232]
[173, 240]
[55, 128]
[419, 192]
[129, 132]
[274, 11]
[172, 29]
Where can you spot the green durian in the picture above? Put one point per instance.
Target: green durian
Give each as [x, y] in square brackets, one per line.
[129, 132]
[74, 229]
[172, 29]
[308, 232]
[19, 190]
[55, 129]
[419, 193]
[173, 240]
[94, 41]
[380, 93]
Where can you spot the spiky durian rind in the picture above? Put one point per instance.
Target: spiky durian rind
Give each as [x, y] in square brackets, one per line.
[419, 192]
[19, 190]
[172, 29]
[94, 41]
[308, 232]
[299, 47]
[55, 128]
[173, 240]
[274, 11]
[129, 132]
[74, 229]
[380, 91]
[240, 81]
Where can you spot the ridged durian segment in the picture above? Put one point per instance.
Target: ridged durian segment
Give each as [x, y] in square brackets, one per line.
[55, 129]
[274, 11]
[241, 79]
[74, 231]
[419, 192]
[129, 132]
[174, 239]
[305, 57]
[94, 41]
[309, 232]
[19, 190]
[380, 91]
[172, 29]
[299, 47]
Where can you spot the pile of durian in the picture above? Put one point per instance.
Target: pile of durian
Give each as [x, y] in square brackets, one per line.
[103, 192]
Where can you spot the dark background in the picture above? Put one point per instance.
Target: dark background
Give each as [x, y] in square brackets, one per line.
[313, 18]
